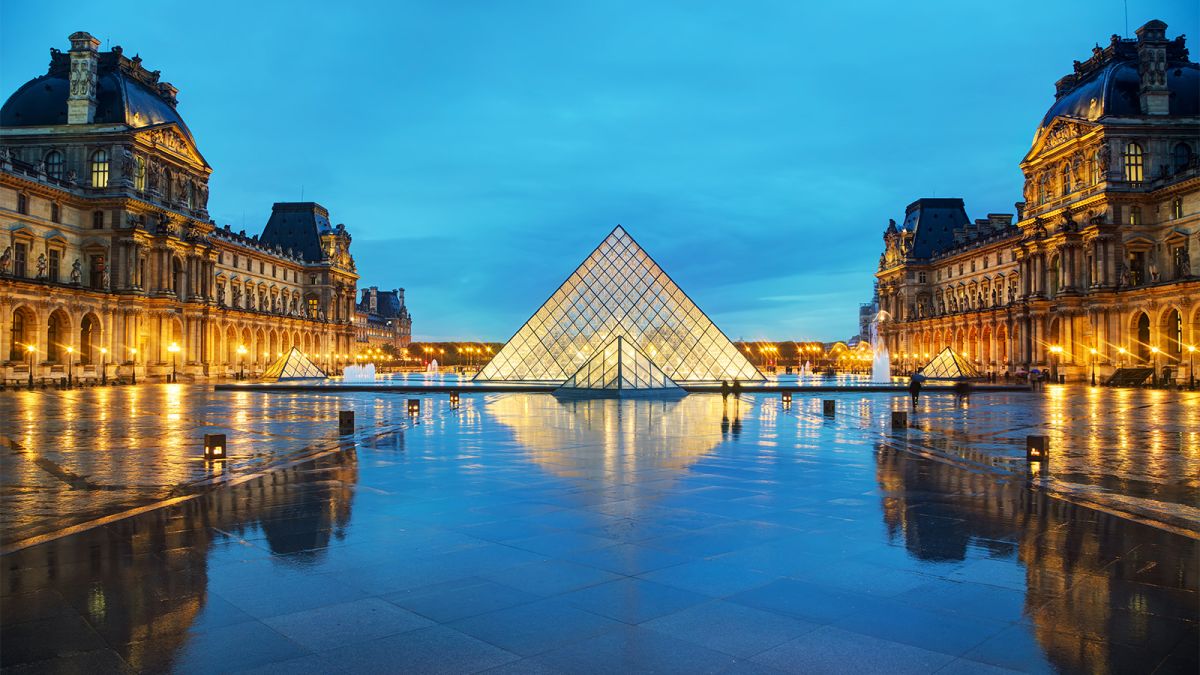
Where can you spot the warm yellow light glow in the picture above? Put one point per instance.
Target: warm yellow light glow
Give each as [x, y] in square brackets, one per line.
[1154, 350]
[104, 350]
[1056, 349]
[1093, 351]
[242, 349]
[133, 350]
[30, 348]
[70, 349]
[1191, 348]
[1122, 351]
[173, 348]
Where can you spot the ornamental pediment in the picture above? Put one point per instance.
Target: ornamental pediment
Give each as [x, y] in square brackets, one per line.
[167, 139]
[1062, 130]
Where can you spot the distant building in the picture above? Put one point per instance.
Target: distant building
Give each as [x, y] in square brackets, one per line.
[381, 318]
[866, 315]
[108, 254]
[1102, 253]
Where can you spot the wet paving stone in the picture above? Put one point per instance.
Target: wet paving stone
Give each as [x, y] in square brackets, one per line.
[520, 534]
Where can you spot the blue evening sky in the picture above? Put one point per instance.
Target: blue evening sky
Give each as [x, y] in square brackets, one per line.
[477, 151]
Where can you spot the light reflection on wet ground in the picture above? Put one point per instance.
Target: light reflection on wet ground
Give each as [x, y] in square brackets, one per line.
[694, 536]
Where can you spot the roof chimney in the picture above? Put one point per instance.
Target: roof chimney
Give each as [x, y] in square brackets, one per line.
[1152, 68]
[81, 103]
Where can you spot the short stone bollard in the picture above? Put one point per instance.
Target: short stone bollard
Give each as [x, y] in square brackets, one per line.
[414, 406]
[829, 407]
[345, 422]
[899, 419]
[1037, 449]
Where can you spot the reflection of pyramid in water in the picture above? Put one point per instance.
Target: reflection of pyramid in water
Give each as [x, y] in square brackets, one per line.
[948, 365]
[619, 369]
[619, 291]
[293, 365]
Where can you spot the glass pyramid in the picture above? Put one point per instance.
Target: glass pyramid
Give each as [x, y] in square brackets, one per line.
[949, 365]
[619, 291]
[619, 369]
[293, 365]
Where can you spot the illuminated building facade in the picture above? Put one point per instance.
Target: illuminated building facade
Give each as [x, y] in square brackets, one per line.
[1102, 252]
[108, 255]
[381, 318]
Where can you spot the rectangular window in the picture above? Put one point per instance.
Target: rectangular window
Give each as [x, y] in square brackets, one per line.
[96, 270]
[235, 260]
[262, 267]
[274, 272]
[20, 256]
[985, 263]
[55, 213]
[1000, 257]
[921, 277]
[55, 259]
[960, 269]
[98, 220]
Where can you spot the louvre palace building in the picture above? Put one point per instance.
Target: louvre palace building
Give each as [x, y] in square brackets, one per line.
[107, 252]
[1099, 265]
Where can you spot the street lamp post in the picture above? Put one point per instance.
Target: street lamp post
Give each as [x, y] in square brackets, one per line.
[174, 349]
[104, 365]
[1121, 356]
[241, 350]
[1191, 366]
[1055, 354]
[1092, 353]
[31, 350]
[70, 364]
[1154, 364]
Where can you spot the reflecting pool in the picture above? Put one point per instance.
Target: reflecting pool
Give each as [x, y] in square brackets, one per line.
[519, 532]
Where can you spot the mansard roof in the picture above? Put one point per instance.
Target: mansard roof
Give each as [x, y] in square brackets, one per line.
[1107, 84]
[126, 93]
[298, 226]
[932, 222]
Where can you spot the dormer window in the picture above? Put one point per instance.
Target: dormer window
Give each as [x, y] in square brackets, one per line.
[99, 169]
[54, 164]
[1133, 159]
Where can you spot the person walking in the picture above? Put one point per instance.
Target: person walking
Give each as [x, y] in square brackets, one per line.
[724, 390]
[914, 386]
[737, 389]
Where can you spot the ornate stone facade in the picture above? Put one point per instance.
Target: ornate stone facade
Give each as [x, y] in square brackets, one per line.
[107, 253]
[1100, 266]
[381, 318]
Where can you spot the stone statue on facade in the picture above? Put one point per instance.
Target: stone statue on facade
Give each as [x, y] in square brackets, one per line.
[1183, 263]
[41, 273]
[6, 260]
[237, 296]
[104, 278]
[76, 273]
[1152, 267]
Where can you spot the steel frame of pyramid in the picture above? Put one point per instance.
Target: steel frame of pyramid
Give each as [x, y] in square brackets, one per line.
[619, 369]
[293, 365]
[949, 365]
[619, 291]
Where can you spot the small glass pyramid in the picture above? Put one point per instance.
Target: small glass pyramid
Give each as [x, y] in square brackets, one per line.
[619, 291]
[949, 365]
[619, 369]
[293, 365]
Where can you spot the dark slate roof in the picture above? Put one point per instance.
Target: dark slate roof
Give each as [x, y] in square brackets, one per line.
[125, 94]
[933, 220]
[298, 226]
[1107, 85]
[387, 303]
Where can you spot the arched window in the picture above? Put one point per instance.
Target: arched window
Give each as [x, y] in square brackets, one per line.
[139, 174]
[1181, 157]
[1177, 208]
[1133, 160]
[54, 164]
[99, 169]
[1065, 178]
[1094, 168]
[16, 346]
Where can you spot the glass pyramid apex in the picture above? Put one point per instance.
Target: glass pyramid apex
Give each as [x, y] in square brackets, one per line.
[949, 365]
[293, 365]
[618, 369]
[619, 291]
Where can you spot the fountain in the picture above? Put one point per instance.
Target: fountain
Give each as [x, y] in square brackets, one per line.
[359, 373]
[881, 364]
[432, 368]
[806, 369]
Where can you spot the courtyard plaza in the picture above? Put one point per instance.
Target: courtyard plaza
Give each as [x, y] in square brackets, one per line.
[520, 533]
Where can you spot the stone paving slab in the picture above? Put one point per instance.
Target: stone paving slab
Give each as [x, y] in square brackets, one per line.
[524, 535]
